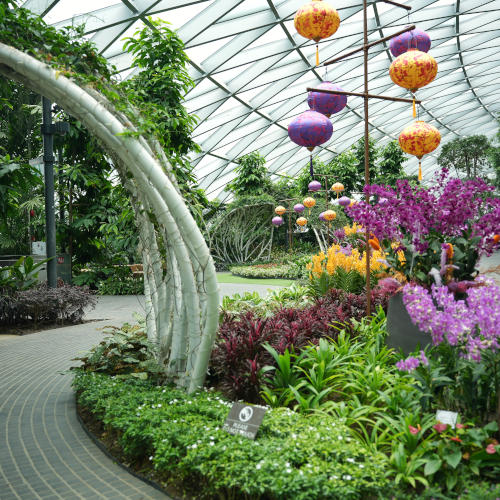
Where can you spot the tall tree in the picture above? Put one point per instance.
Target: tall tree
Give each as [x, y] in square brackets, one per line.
[252, 177]
[466, 154]
[494, 157]
[391, 165]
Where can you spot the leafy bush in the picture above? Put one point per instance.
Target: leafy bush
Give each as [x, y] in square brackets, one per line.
[21, 275]
[351, 281]
[239, 353]
[262, 271]
[64, 304]
[110, 280]
[294, 456]
[294, 296]
[125, 350]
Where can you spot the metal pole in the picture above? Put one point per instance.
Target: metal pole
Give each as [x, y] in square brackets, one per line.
[367, 152]
[50, 220]
[362, 94]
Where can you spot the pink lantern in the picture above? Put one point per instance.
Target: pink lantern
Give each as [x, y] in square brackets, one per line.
[310, 129]
[314, 186]
[322, 216]
[299, 208]
[327, 104]
[277, 221]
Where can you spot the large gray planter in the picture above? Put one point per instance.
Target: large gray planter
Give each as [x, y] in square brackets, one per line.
[403, 334]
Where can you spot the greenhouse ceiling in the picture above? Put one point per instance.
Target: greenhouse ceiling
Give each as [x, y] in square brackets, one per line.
[251, 70]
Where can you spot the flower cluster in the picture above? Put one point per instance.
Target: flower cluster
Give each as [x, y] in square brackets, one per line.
[411, 363]
[347, 258]
[410, 213]
[470, 324]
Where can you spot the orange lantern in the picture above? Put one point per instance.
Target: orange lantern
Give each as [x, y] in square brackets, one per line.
[419, 139]
[309, 202]
[301, 221]
[280, 210]
[338, 187]
[412, 70]
[316, 20]
[329, 215]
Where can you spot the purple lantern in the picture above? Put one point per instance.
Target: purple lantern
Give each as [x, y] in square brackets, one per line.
[344, 201]
[310, 129]
[327, 104]
[414, 39]
[322, 216]
[277, 221]
[299, 208]
[314, 186]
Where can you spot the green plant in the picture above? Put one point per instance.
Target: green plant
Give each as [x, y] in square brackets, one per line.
[294, 456]
[262, 271]
[350, 281]
[125, 351]
[21, 275]
[252, 177]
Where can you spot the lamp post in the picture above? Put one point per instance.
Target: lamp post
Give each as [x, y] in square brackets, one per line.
[48, 130]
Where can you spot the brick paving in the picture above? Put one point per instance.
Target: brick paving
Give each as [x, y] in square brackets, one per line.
[44, 452]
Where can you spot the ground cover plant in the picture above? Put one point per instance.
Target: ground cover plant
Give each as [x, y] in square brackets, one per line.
[294, 456]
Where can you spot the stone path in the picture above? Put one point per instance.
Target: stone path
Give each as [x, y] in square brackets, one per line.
[44, 452]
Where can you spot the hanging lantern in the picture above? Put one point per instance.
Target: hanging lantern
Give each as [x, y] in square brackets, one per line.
[315, 21]
[338, 187]
[329, 215]
[32, 213]
[344, 201]
[412, 70]
[299, 208]
[414, 39]
[310, 129]
[314, 186]
[419, 139]
[322, 216]
[277, 221]
[280, 210]
[309, 202]
[301, 221]
[327, 104]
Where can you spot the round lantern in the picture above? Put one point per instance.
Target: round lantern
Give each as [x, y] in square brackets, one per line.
[310, 129]
[301, 221]
[314, 186]
[327, 104]
[414, 39]
[280, 210]
[344, 201]
[322, 216]
[299, 208]
[413, 69]
[309, 202]
[315, 21]
[329, 215]
[338, 187]
[277, 221]
[419, 139]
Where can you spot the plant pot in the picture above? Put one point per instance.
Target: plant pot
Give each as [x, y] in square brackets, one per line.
[403, 334]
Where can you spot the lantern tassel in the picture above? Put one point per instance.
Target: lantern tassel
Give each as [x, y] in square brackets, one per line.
[311, 168]
[317, 54]
[419, 170]
[414, 108]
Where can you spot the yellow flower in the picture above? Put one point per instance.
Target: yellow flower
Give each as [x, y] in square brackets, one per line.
[350, 230]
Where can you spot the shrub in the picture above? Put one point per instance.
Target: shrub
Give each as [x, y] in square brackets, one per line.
[239, 353]
[64, 304]
[125, 350]
[294, 456]
[262, 271]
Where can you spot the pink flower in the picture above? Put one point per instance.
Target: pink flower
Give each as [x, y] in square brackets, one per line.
[460, 426]
[456, 439]
[490, 449]
[440, 427]
[413, 430]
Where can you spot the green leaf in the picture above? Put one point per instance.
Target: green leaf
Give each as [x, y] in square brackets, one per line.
[451, 481]
[454, 459]
[432, 466]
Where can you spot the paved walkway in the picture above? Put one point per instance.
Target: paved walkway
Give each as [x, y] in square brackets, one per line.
[44, 452]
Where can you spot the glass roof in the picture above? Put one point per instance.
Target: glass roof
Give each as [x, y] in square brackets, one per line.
[252, 68]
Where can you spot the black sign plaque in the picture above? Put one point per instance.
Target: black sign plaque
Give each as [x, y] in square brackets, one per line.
[244, 420]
